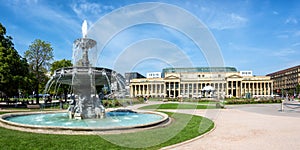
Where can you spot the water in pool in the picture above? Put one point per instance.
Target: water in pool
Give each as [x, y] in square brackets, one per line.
[113, 119]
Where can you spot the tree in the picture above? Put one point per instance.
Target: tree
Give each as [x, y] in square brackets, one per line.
[298, 89]
[39, 55]
[60, 64]
[13, 68]
[57, 65]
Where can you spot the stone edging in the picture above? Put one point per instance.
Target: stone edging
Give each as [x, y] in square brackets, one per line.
[53, 129]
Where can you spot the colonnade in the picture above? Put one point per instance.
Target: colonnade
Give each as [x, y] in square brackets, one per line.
[254, 88]
[147, 89]
[195, 89]
[174, 89]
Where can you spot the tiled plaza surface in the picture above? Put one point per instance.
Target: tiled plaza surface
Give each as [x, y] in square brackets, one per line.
[261, 126]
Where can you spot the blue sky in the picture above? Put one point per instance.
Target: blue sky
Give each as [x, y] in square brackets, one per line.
[262, 36]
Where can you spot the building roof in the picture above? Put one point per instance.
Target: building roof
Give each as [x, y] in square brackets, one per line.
[200, 69]
[283, 71]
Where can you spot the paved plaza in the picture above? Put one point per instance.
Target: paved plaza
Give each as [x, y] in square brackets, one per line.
[261, 126]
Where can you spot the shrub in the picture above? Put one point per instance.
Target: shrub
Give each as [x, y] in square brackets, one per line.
[253, 101]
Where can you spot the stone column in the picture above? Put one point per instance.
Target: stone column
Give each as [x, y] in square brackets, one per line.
[179, 88]
[147, 90]
[227, 88]
[174, 89]
[183, 91]
[231, 88]
[131, 90]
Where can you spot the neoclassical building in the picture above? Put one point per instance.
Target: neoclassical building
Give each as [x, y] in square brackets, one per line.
[203, 82]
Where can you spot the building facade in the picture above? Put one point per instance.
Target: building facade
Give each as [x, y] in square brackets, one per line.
[201, 82]
[128, 77]
[286, 80]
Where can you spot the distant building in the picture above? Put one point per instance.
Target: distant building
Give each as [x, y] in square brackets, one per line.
[203, 82]
[286, 80]
[132, 75]
[128, 77]
[154, 75]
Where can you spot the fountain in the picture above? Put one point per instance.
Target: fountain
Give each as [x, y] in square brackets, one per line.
[84, 77]
[86, 111]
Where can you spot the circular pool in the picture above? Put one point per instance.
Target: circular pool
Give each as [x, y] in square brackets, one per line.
[114, 120]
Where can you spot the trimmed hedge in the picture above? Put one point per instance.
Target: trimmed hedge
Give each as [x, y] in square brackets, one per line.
[252, 101]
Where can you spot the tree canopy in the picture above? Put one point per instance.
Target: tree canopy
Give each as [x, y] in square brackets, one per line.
[63, 89]
[60, 64]
[39, 55]
[13, 68]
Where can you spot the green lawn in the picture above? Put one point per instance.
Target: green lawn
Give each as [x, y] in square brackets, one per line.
[184, 128]
[178, 106]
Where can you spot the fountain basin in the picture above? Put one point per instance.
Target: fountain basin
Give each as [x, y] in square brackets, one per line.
[115, 120]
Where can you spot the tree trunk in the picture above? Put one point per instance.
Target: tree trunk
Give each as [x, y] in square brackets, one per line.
[37, 94]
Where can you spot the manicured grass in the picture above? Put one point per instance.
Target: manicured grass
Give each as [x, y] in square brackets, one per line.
[206, 102]
[177, 106]
[184, 127]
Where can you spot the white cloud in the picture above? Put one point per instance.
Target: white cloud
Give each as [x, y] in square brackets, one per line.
[39, 12]
[291, 20]
[85, 9]
[296, 44]
[287, 34]
[43, 20]
[224, 21]
[275, 12]
[297, 33]
[284, 52]
[282, 36]
[151, 49]
[157, 13]
[216, 17]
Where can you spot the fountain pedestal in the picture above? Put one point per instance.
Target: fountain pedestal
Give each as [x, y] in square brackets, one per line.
[87, 104]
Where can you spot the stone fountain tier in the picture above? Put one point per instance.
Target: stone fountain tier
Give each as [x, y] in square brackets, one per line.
[65, 75]
[84, 43]
[86, 103]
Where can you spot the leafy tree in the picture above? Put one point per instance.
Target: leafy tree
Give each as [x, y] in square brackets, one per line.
[13, 68]
[298, 89]
[57, 65]
[39, 55]
[60, 64]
